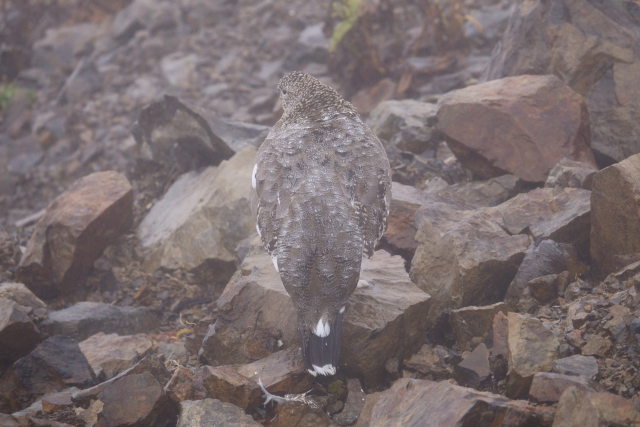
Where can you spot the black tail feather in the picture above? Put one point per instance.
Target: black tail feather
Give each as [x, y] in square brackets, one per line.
[322, 354]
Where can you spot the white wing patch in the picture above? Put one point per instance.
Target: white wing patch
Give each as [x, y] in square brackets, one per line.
[258, 230]
[327, 369]
[275, 262]
[322, 329]
[253, 176]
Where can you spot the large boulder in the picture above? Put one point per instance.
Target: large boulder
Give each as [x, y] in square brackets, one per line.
[201, 219]
[412, 402]
[580, 407]
[615, 223]
[521, 125]
[213, 413]
[593, 47]
[385, 317]
[74, 231]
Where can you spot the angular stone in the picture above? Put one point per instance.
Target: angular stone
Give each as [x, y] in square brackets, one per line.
[74, 231]
[59, 50]
[214, 413]
[20, 294]
[560, 214]
[177, 136]
[596, 345]
[439, 404]
[532, 348]
[384, 318]
[474, 368]
[201, 219]
[111, 354]
[281, 373]
[592, 47]
[548, 257]
[569, 173]
[468, 261]
[544, 288]
[473, 322]
[57, 401]
[431, 361]
[516, 128]
[8, 421]
[547, 387]
[299, 415]
[18, 334]
[53, 365]
[578, 407]
[401, 228]
[407, 124]
[136, 399]
[490, 192]
[615, 223]
[184, 385]
[585, 366]
[87, 318]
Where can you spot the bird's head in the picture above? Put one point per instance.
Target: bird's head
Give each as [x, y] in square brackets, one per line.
[305, 97]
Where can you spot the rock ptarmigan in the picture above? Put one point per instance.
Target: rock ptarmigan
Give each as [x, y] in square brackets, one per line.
[323, 187]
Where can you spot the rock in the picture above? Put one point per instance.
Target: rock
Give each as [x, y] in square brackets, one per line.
[596, 345]
[110, 354]
[592, 47]
[74, 231]
[282, 372]
[384, 317]
[473, 324]
[238, 135]
[578, 407]
[516, 128]
[88, 318]
[547, 387]
[431, 361]
[474, 368]
[56, 363]
[299, 415]
[462, 261]
[61, 47]
[83, 82]
[532, 348]
[201, 219]
[407, 124]
[367, 99]
[569, 173]
[177, 136]
[353, 406]
[18, 334]
[8, 421]
[212, 412]
[545, 288]
[560, 214]
[136, 399]
[56, 401]
[548, 257]
[179, 69]
[20, 294]
[141, 14]
[184, 385]
[615, 224]
[490, 192]
[585, 366]
[439, 404]
[401, 228]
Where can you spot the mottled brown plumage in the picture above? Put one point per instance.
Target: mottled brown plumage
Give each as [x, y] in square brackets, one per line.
[323, 185]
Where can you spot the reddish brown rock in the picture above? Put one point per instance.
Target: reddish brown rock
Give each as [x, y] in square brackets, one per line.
[596, 345]
[281, 373]
[547, 387]
[569, 173]
[532, 349]
[74, 231]
[440, 404]
[184, 384]
[579, 407]
[110, 354]
[521, 125]
[615, 217]
[431, 361]
[212, 413]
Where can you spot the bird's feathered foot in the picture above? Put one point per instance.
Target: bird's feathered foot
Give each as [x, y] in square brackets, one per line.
[299, 398]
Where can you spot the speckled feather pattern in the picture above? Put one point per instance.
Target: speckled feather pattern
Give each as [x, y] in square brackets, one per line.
[323, 193]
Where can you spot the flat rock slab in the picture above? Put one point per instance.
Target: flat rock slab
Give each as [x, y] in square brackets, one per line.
[579, 407]
[18, 334]
[521, 125]
[202, 217]
[532, 349]
[412, 402]
[87, 318]
[547, 387]
[615, 222]
[213, 413]
[385, 317]
[110, 354]
[55, 364]
[74, 231]
[281, 373]
[586, 366]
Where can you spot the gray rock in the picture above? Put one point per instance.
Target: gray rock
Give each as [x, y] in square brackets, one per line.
[212, 412]
[407, 124]
[353, 405]
[179, 69]
[384, 318]
[75, 229]
[474, 368]
[569, 173]
[88, 318]
[490, 192]
[201, 219]
[110, 354]
[20, 294]
[61, 47]
[149, 14]
[18, 334]
[547, 387]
